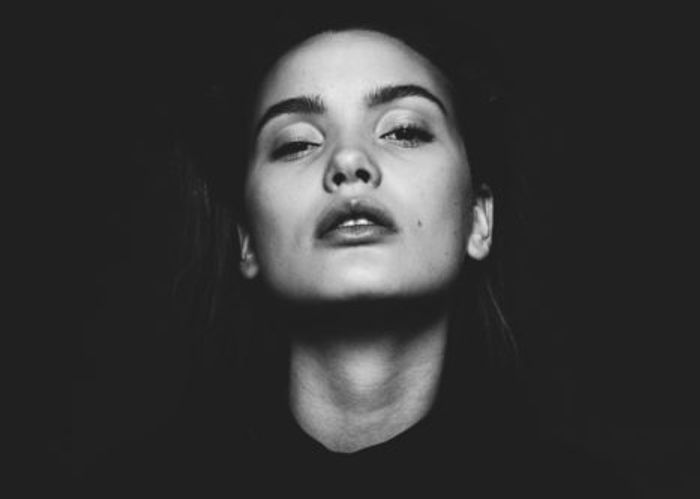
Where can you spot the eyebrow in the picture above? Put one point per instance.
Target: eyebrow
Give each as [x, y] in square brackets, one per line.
[313, 104]
[389, 93]
[306, 104]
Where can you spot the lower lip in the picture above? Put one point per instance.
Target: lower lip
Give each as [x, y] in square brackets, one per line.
[357, 235]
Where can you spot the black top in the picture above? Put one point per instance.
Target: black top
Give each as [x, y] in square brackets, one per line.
[441, 456]
[240, 440]
[450, 453]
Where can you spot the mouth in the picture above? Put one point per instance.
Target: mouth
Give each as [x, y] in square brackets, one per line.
[357, 221]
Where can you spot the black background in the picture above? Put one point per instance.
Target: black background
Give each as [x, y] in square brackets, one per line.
[607, 133]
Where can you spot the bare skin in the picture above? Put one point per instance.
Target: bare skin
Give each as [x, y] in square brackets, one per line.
[350, 394]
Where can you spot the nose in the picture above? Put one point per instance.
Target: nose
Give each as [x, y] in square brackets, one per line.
[350, 165]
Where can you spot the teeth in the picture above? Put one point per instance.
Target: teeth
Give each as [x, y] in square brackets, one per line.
[355, 222]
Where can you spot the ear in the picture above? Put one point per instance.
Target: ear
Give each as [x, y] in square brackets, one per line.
[249, 262]
[479, 240]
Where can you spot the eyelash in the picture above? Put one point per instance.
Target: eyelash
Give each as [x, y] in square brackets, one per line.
[406, 135]
[413, 135]
[292, 150]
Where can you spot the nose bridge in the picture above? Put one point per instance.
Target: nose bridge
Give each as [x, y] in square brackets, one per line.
[351, 161]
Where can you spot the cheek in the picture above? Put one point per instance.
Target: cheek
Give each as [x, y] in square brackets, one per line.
[446, 202]
[442, 225]
[274, 214]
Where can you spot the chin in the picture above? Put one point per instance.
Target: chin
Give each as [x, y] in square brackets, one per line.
[378, 288]
[359, 283]
[356, 286]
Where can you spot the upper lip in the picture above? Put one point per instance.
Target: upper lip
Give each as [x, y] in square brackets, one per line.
[354, 208]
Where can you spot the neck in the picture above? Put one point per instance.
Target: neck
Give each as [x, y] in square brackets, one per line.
[359, 384]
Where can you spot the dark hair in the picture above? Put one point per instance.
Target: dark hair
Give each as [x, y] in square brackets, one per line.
[211, 154]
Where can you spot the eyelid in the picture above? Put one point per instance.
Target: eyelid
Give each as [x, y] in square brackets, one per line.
[294, 132]
[292, 126]
[290, 137]
[397, 118]
[291, 151]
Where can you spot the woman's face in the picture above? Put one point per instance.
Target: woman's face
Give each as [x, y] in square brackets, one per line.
[358, 184]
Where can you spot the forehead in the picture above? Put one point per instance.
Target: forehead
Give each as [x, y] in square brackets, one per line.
[348, 62]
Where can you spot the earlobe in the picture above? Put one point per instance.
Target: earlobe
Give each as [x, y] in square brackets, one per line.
[481, 236]
[248, 261]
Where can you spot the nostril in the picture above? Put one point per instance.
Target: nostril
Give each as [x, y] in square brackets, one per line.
[363, 175]
[338, 178]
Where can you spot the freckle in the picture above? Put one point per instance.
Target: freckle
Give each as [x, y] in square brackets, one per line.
[420, 223]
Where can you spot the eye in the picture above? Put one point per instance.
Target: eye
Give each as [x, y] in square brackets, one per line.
[292, 150]
[409, 135]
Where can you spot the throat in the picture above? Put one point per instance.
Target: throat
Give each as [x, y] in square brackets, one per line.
[350, 395]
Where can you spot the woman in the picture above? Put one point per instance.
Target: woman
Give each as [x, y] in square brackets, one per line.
[359, 199]
[370, 346]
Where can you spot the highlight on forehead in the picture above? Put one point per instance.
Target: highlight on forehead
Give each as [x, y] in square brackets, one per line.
[440, 79]
[366, 34]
